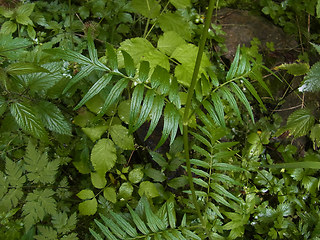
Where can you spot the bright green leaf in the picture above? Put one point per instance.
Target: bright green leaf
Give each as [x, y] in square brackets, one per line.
[103, 155]
[148, 189]
[147, 8]
[98, 180]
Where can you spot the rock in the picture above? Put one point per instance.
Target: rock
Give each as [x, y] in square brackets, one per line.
[242, 26]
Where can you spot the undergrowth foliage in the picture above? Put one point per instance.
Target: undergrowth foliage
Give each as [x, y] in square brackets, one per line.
[77, 86]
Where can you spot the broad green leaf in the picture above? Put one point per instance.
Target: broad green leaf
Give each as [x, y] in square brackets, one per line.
[31, 32]
[110, 194]
[311, 82]
[128, 63]
[315, 135]
[103, 155]
[125, 190]
[98, 179]
[52, 118]
[176, 23]
[186, 54]
[25, 9]
[145, 109]
[12, 47]
[95, 89]
[169, 41]
[156, 175]
[121, 137]
[84, 72]
[112, 57]
[148, 189]
[95, 132]
[114, 95]
[144, 71]
[8, 27]
[27, 119]
[136, 175]
[84, 118]
[140, 49]
[147, 8]
[253, 92]
[88, 207]
[24, 68]
[181, 3]
[155, 114]
[295, 69]
[136, 100]
[85, 194]
[299, 123]
[242, 98]
[124, 111]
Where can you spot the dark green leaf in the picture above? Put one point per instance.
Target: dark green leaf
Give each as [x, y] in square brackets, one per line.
[69, 55]
[155, 114]
[84, 72]
[114, 95]
[219, 108]
[24, 68]
[207, 105]
[124, 224]
[144, 71]
[253, 92]
[145, 110]
[105, 230]
[112, 57]
[135, 106]
[128, 63]
[234, 65]
[138, 222]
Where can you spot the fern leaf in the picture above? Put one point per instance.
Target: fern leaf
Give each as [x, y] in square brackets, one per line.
[136, 100]
[219, 108]
[116, 230]
[232, 101]
[155, 114]
[202, 139]
[208, 122]
[222, 191]
[227, 167]
[137, 220]
[124, 224]
[202, 151]
[234, 65]
[69, 55]
[160, 79]
[38, 204]
[200, 182]
[145, 109]
[114, 95]
[14, 173]
[144, 71]
[225, 179]
[105, 231]
[112, 57]
[174, 96]
[171, 212]
[190, 234]
[95, 89]
[128, 64]
[200, 163]
[95, 235]
[207, 105]
[253, 92]
[63, 224]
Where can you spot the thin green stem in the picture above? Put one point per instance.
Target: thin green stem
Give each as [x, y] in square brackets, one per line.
[188, 108]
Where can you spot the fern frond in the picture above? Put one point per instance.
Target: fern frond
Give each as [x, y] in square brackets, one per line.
[149, 225]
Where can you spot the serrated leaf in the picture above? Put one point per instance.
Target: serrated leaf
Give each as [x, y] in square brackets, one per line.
[299, 123]
[95, 133]
[316, 46]
[8, 27]
[24, 68]
[208, 106]
[27, 119]
[39, 169]
[38, 204]
[45, 232]
[103, 155]
[95, 89]
[120, 136]
[14, 174]
[25, 9]
[114, 95]
[295, 69]
[169, 41]
[62, 223]
[311, 82]
[175, 22]
[147, 8]
[52, 118]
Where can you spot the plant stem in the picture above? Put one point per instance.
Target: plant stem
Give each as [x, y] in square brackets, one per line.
[187, 110]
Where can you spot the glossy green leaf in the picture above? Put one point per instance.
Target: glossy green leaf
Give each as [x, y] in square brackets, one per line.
[136, 100]
[28, 120]
[95, 89]
[114, 95]
[24, 68]
[112, 57]
[144, 71]
[222, 191]
[120, 136]
[155, 114]
[242, 98]
[145, 109]
[95, 132]
[84, 72]
[253, 92]
[103, 155]
[110, 194]
[124, 111]
[148, 189]
[311, 82]
[52, 118]
[125, 190]
[147, 8]
[174, 96]
[136, 175]
[128, 63]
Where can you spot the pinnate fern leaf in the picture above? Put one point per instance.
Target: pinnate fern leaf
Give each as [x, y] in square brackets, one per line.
[149, 225]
